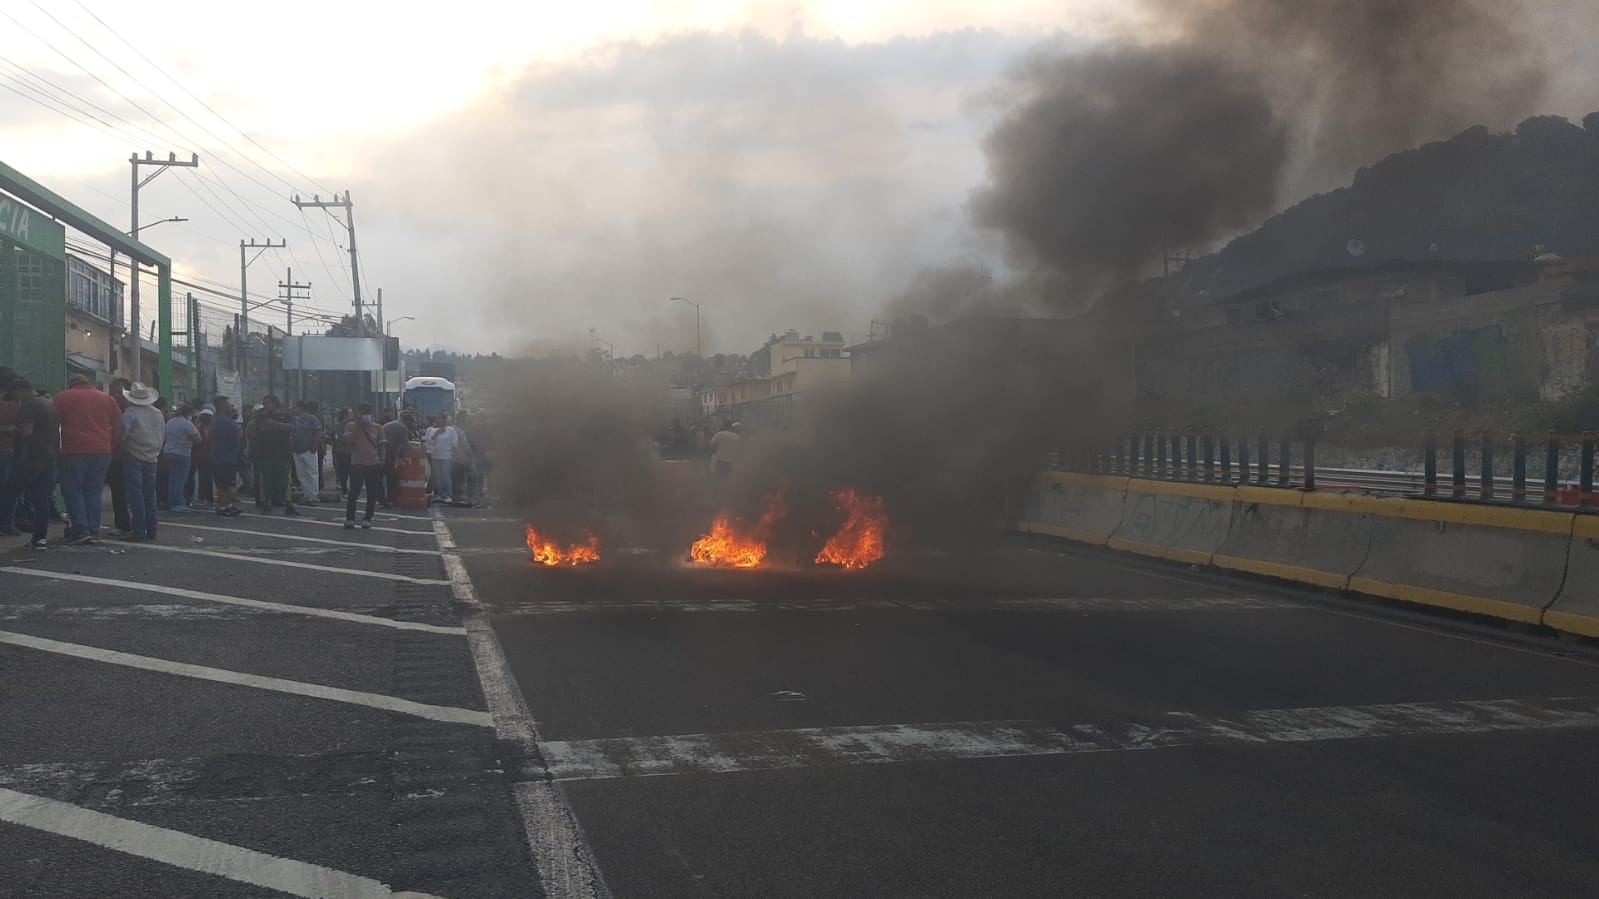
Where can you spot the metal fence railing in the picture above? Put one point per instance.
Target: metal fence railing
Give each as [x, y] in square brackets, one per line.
[1289, 461]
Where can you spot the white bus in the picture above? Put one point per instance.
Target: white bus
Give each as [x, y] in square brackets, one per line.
[429, 397]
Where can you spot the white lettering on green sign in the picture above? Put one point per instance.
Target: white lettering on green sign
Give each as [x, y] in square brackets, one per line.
[31, 228]
[14, 219]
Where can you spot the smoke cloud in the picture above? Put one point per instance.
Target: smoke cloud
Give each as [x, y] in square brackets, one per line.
[1098, 161]
[1102, 160]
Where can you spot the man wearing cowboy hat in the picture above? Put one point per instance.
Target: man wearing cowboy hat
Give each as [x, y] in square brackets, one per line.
[91, 424]
[145, 432]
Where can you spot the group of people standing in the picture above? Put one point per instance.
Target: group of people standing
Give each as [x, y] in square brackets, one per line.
[158, 458]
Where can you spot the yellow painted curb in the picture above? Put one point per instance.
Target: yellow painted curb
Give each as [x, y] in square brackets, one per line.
[1584, 625]
[1542, 521]
[1586, 527]
[1179, 488]
[1269, 496]
[1191, 556]
[1327, 579]
[1460, 602]
[1077, 479]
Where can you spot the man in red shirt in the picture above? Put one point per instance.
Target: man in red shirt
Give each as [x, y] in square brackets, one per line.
[91, 424]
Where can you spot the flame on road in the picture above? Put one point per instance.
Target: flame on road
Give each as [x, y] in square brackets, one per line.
[726, 547]
[547, 552]
[859, 542]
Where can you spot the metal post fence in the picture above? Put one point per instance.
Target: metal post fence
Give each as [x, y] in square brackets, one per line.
[1551, 468]
[1518, 468]
[1429, 477]
[1457, 464]
[1265, 463]
[1283, 452]
[1487, 468]
[1585, 473]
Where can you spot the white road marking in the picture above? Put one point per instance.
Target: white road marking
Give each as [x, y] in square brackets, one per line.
[339, 523]
[484, 519]
[263, 605]
[1061, 604]
[355, 572]
[110, 784]
[370, 547]
[447, 714]
[192, 853]
[561, 853]
[888, 744]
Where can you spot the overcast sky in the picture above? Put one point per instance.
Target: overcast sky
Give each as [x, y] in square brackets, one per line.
[525, 172]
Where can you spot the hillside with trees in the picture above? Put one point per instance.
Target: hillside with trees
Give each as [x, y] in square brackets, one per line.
[1479, 195]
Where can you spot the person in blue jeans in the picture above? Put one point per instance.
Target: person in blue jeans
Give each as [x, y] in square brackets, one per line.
[91, 423]
[177, 454]
[144, 434]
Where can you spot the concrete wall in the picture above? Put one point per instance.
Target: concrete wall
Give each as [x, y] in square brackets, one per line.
[1528, 565]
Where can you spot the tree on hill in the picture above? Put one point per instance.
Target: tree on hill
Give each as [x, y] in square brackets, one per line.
[1476, 196]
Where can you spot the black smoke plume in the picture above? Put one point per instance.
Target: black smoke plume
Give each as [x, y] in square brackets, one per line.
[1104, 160]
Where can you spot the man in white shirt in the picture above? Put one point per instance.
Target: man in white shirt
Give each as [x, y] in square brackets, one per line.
[441, 442]
[726, 449]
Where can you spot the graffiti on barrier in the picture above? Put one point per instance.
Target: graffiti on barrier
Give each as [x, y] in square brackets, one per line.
[1176, 520]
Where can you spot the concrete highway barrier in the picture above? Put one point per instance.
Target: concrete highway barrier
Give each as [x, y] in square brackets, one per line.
[1576, 609]
[1173, 520]
[1490, 560]
[1314, 538]
[1528, 565]
[1082, 507]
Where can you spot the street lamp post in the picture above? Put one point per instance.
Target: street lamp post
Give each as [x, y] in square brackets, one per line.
[114, 353]
[386, 326]
[697, 350]
[175, 218]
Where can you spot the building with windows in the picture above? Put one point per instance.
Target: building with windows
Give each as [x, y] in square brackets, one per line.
[779, 374]
[94, 319]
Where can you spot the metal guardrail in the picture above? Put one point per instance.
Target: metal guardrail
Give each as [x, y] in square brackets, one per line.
[1205, 456]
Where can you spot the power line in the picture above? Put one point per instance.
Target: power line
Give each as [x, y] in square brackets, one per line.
[324, 262]
[225, 291]
[163, 123]
[254, 209]
[202, 102]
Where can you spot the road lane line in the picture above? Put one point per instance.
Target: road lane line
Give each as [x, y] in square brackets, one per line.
[192, 853]
[355, 572]
[339, 523]
[1041, 604]
[354, 617]
[447, 714]
[723, 753]
[322, 540]
[561, 852]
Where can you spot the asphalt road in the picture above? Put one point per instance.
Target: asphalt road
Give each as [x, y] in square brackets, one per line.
[281, 707]
[134, 764]
[1033, 721]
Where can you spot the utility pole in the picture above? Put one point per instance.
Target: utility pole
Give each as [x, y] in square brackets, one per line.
[697, 349]
[244, 299]
[287, 297]
[316, 202]
[160, 166]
